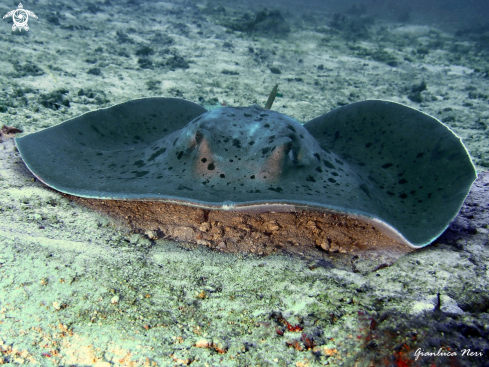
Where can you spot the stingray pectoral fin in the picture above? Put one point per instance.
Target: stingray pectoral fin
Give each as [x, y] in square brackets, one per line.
[419, 168]
[56, 153]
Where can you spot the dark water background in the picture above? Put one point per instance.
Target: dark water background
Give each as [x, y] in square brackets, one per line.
[444, 13]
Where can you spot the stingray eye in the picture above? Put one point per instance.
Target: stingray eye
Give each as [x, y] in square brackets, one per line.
[195, 140]
[296, 154]
[198, 137]
[292, 156]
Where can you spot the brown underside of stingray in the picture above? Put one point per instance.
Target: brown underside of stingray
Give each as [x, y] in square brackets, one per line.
[260, 233]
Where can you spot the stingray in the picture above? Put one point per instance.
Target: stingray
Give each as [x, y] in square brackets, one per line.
[383, 163]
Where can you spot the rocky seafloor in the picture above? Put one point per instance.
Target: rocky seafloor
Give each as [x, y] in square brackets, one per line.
[77, 289]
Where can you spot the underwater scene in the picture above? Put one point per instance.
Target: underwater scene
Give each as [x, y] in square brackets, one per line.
[256, 183]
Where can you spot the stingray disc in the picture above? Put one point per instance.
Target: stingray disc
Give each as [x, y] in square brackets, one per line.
[383, 162]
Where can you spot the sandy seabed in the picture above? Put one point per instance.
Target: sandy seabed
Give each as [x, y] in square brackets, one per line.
[76, 288]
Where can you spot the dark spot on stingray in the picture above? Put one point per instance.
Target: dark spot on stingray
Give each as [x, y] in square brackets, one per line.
[372, 179]
[137, 137]
[276, 189]
[236, 143]
[175, 141]
[387, 165]
[403, 196]
[258, 119]
[328, 164]
[265, 150]
[139, 163]
[252, 177]
[402, 181]
[318, 169]
[251, 142]
[332, 180]
[248, 115]
[222, 175]
[99, 153]
[263, 114]
[181, 187]
[290, 127]
[203, 160]
[317, 156]
[365, 189]
[140, 173]
[179, 155]
[156, 154]
[338, 161]
[334, 173]
[390, 193]
[96, 130]
[310, 178]
[211, 166]
[266, 125]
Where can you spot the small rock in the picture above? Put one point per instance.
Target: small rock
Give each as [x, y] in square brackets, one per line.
[324, 245]
[275, 70]
[220, 346]
[447, 305]
[203, 242]
[273, 226]
[151, 235]
[204, 227]
[203, 343]
[134, 238]
[334, 247]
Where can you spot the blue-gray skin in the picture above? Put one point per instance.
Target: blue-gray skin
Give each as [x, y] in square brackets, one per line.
[383, 162]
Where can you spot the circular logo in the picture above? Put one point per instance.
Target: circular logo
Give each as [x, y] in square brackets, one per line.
[20, 18]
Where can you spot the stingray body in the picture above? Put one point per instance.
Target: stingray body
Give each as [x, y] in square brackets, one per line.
[380, 161]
